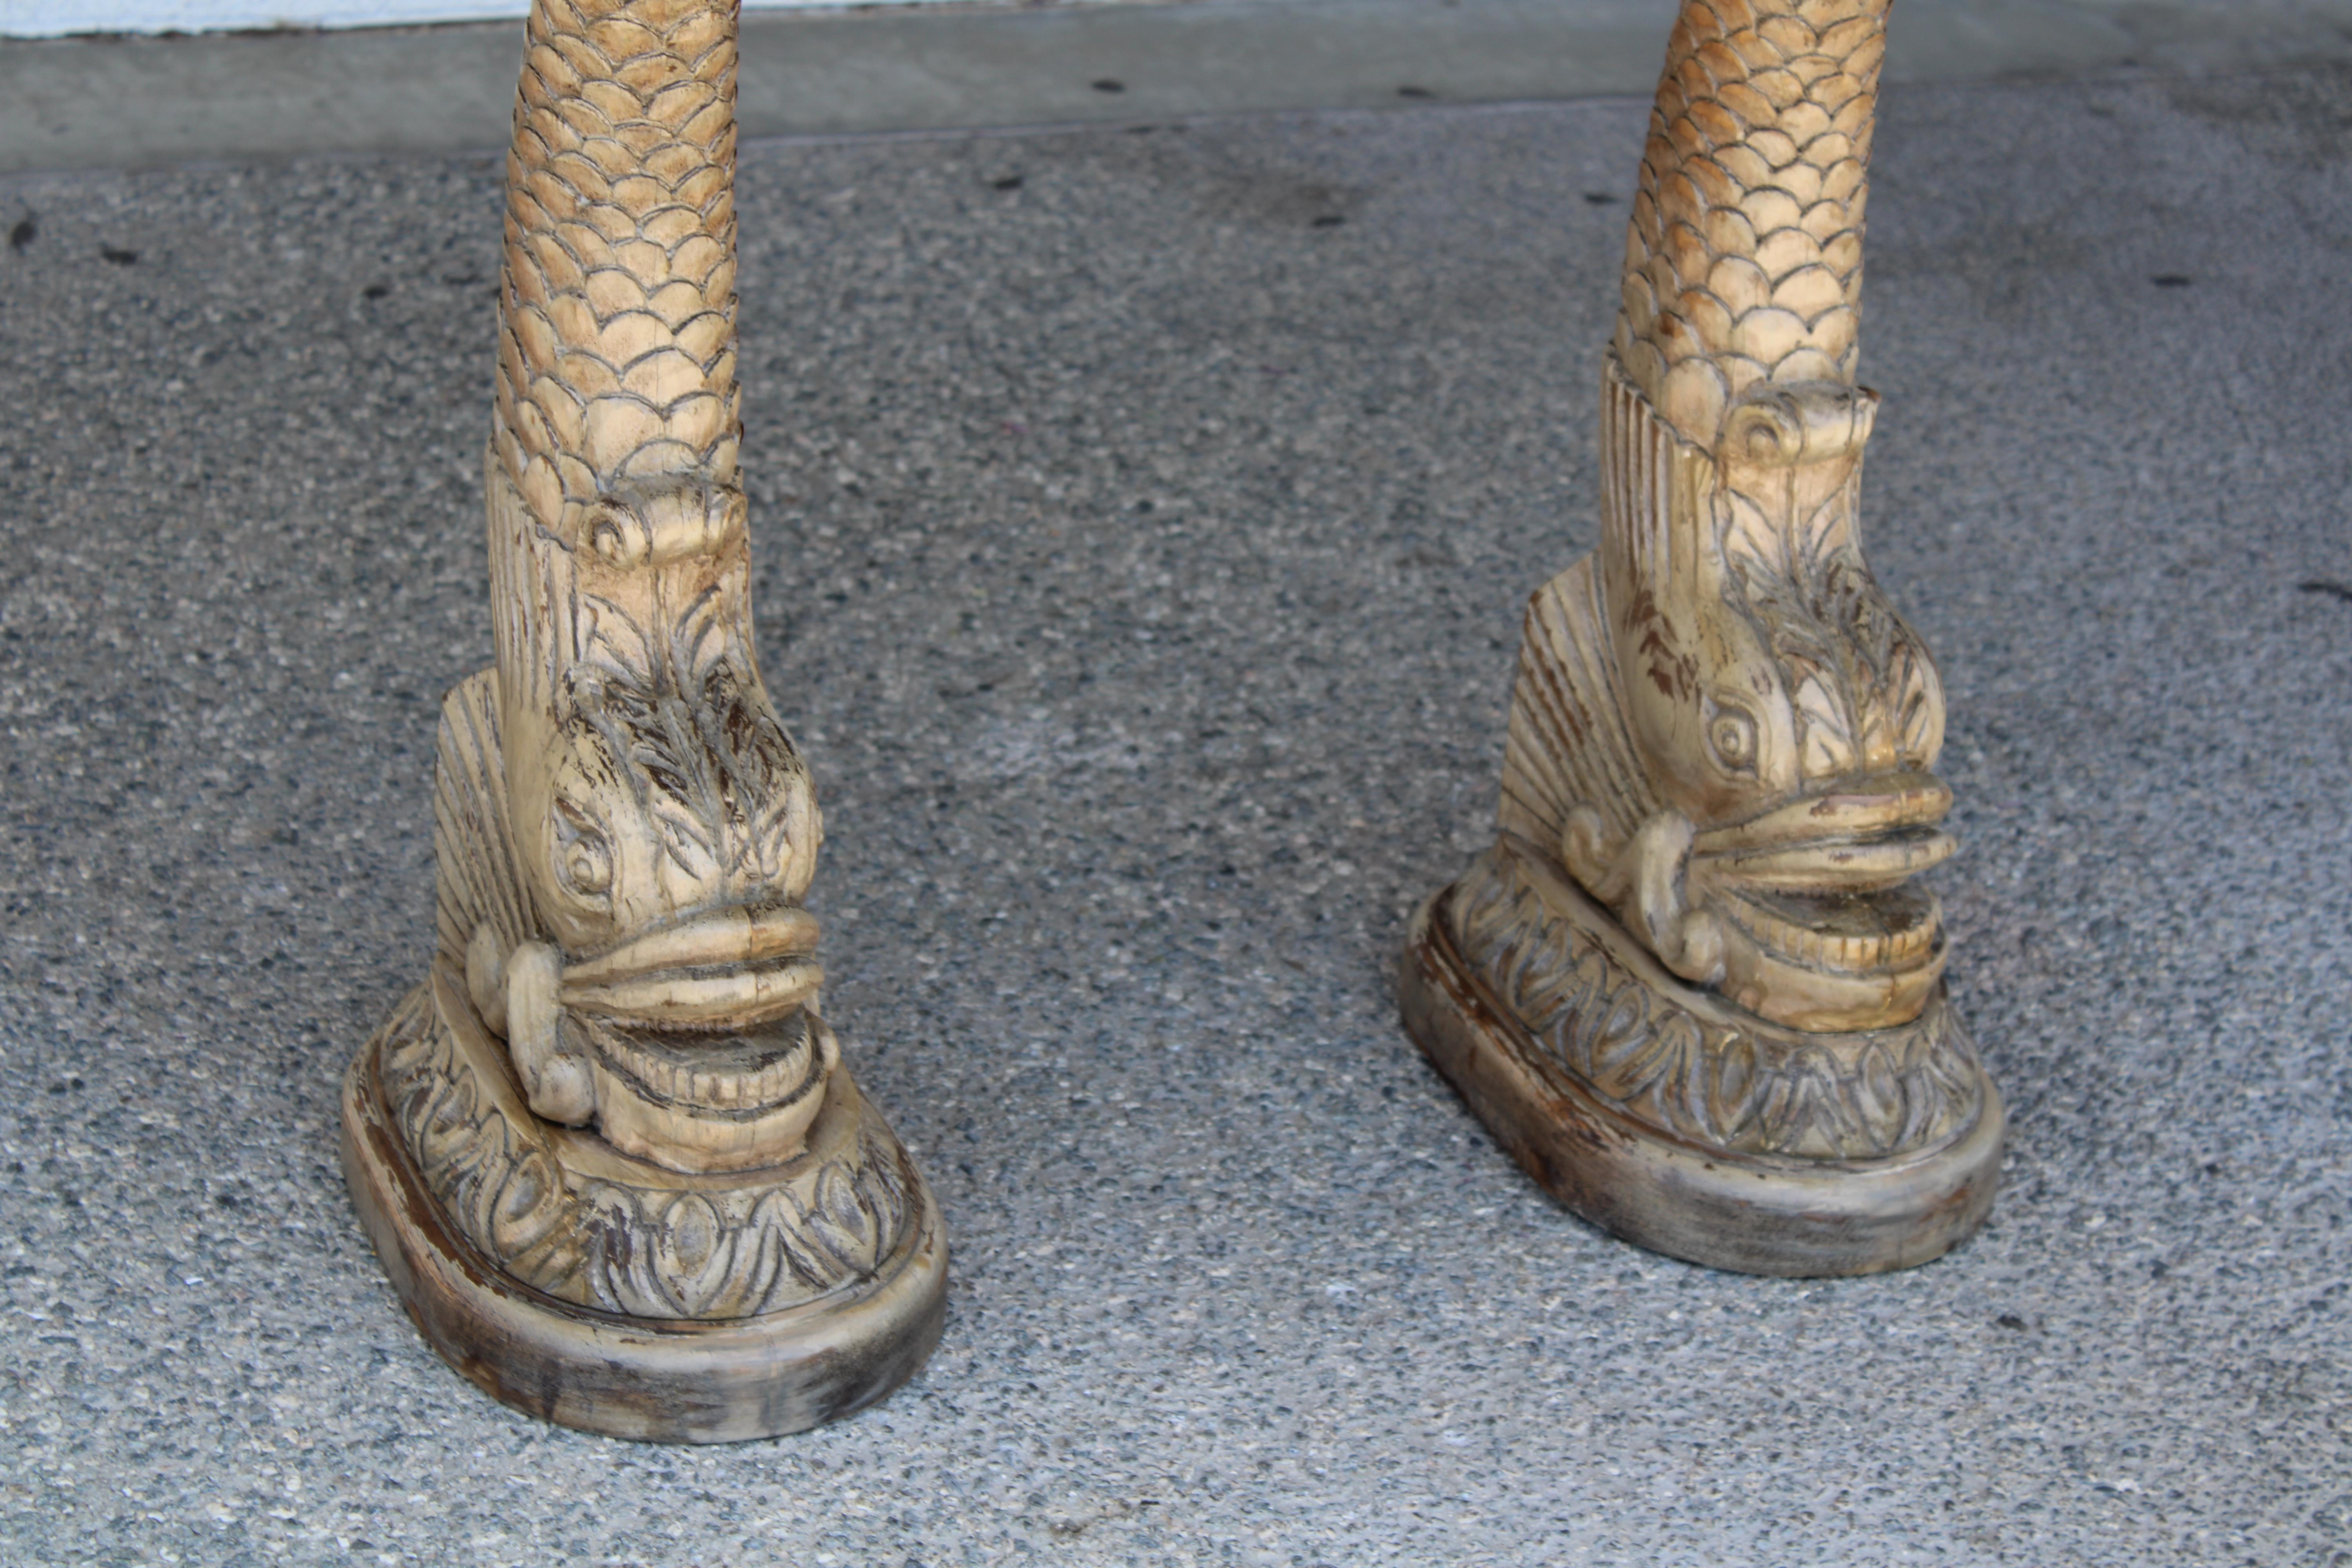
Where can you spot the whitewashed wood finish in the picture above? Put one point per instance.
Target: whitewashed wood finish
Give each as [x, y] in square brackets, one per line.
[616, 1099]
[1724, 735]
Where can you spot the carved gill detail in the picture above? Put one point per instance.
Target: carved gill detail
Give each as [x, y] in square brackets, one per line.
[1743, 262]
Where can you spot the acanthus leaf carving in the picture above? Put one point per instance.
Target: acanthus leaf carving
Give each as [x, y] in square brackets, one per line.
[1742, 1085]
[602, 1233]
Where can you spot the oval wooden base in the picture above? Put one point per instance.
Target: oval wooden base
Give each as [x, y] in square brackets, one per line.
[1754, 1214]
[656, 1380]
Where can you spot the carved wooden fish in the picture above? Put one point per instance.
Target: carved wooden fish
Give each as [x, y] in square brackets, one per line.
[657, 818]
[1729, 733]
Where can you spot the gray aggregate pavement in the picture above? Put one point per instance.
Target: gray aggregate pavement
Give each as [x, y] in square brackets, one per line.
[1142, 521]
[120, 102]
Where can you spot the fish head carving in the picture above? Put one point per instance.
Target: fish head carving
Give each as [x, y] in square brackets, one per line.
[1708, 708]
[666, 833]
[1786, 721]
[1705, 704]
[1787, 562]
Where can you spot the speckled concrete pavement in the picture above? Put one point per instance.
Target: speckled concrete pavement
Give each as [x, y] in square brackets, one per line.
[114, 102]
[1142, 522]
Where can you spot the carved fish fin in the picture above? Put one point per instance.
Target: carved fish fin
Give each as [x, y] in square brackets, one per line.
[1568, 747]
[479, 880]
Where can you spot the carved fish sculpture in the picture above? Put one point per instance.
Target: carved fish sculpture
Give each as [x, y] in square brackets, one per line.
[656, 974]
[1723, 728]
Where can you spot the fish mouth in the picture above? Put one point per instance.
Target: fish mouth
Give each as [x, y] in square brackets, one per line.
[1822, 880]
[746, 1074]
[1895, 930]
[703, 1101]
[730, 969]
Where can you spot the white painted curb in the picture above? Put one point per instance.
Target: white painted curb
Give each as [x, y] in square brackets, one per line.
[63, 18]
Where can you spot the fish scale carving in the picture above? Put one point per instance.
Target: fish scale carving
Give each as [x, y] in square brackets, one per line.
[617, 353]
[1743, 261]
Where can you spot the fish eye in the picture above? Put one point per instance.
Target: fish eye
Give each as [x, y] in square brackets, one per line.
[1731, 735]
[587, 868]
[584, 855]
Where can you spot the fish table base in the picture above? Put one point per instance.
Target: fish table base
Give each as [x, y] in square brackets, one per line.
[1695, 986]
[609, 1153]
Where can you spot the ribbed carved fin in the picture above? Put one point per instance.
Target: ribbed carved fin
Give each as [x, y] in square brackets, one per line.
[478, 879]
[1568, 746]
